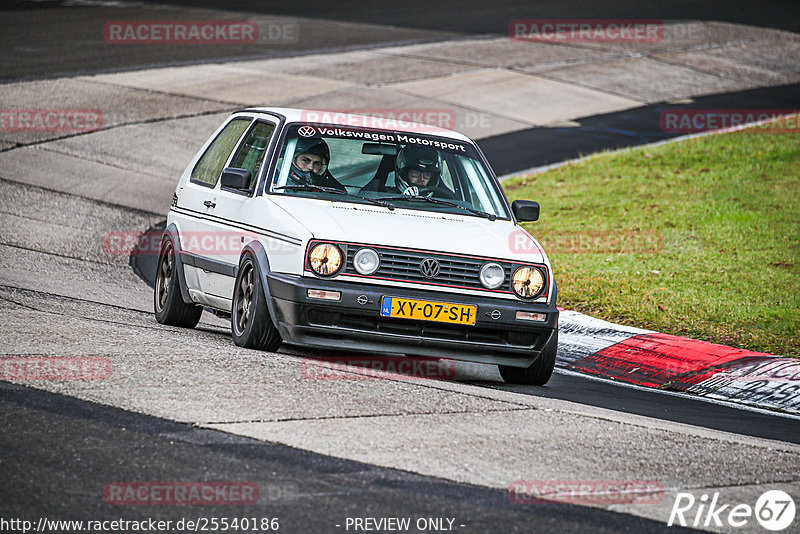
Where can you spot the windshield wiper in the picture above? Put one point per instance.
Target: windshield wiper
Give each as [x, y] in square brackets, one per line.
[479, 213]
[312, 187]
[322, 189]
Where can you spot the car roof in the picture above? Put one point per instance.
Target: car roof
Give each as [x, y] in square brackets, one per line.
[338, 117]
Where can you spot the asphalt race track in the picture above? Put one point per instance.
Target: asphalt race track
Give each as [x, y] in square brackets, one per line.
[328, 25]
[191, 406]
[88, 444]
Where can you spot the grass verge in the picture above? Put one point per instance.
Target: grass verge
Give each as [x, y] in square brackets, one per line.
[697, 238]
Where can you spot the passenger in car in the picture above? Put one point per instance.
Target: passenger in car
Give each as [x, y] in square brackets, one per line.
[310, 164]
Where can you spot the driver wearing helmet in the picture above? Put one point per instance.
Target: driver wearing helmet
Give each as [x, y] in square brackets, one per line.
[417, 171]
[310, 164]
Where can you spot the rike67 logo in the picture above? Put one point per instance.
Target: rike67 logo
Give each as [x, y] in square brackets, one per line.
[774, 510]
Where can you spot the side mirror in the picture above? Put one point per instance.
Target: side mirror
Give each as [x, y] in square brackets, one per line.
[234, 178]
[525, 210]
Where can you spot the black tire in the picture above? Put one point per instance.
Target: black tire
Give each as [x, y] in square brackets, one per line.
[251, 324]
[539, 372]
[168, 304]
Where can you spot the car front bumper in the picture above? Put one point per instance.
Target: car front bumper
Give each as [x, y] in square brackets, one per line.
[354, 323]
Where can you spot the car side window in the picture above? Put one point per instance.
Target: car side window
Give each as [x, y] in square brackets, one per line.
[210, 165]
[250, 155]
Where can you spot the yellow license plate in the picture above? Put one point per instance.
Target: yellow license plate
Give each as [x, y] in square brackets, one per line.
[425, 310]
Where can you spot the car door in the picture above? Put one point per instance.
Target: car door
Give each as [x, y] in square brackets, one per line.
[196, 204]
[231, 212]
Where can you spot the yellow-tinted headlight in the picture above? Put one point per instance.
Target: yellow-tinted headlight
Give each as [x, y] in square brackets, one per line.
[325, 259]
[527, 282]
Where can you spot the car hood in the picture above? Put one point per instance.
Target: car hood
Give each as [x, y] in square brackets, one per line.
[411, 228]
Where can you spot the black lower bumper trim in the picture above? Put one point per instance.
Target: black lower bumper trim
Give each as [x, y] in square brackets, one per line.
[354, 323]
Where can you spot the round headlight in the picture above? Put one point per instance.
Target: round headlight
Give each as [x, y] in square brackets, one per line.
[325, 259]
[527, 282]
[366, 261]
[492, 275]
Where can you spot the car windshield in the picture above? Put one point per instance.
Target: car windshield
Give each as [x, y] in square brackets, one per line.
[403, 170]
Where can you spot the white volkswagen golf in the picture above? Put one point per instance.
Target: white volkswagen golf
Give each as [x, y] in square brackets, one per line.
[357, 234]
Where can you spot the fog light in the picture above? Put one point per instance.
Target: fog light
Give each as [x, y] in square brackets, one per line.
[366, 261]
[531, 316]
[492, 275]
[324, 295]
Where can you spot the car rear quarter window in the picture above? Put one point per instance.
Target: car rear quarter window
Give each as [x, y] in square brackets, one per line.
[210, 165]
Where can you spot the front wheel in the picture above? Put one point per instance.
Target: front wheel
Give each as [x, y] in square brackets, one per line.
[539, 372]
[251, 324]
[168, 304]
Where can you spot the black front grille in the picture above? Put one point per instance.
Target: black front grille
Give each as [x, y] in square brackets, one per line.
[405, 265]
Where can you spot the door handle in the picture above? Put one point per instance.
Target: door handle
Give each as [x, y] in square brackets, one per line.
[209, 204]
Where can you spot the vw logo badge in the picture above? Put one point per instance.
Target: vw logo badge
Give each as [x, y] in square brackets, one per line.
[429, 268]
[306, 131]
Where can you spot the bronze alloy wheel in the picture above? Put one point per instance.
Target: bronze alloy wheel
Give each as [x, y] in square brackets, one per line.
[243, 301]
[251, 323]
[168, 302]
[164, 275]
